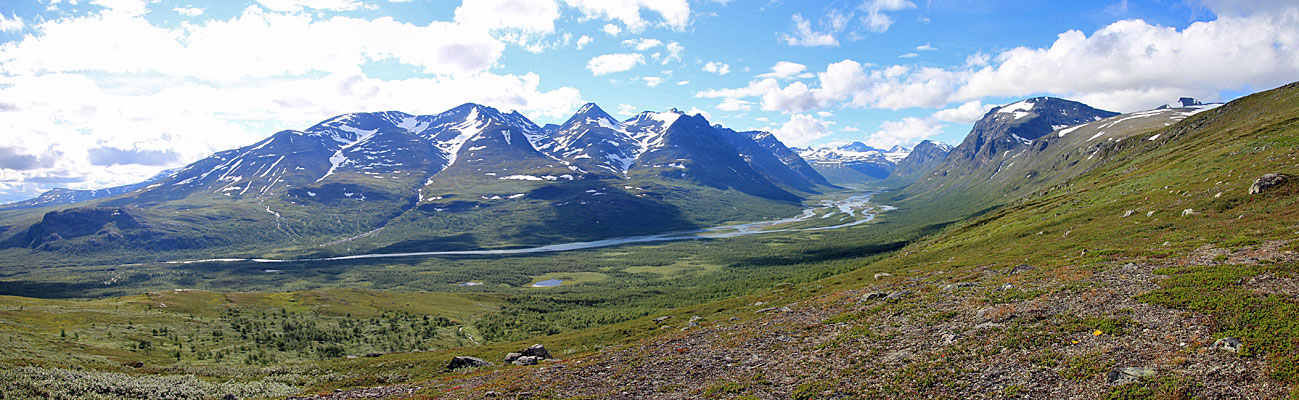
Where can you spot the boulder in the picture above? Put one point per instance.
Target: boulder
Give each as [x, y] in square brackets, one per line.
[526, 360]
[1267, 182]
[536, 350]
[1228, 344]
[512, 356]
[1019, 269]
[1123, 375]
[663, 318]
[459, 362]
[898, 295]
[874, 296]
[882, 275]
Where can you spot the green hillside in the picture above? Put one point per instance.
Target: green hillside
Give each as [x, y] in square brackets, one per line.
[1100, 270]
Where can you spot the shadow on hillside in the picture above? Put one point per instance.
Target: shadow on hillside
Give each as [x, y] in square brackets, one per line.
[824, 254]
[595, 212]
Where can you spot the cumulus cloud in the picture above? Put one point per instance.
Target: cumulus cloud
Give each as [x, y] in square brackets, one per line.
[652, 81]
[155, 96]
[251, 45]
[12, 23]
[642, 44]
[804, 35]
[675, 14]
[611, 63]
[299, 5]
[966, 113]
[14, 158]
[189, 11]
[785, 70]
[106, 156]
[525, 16]
[904, 132]
[717, 68]
[583, 41]
[1126, 66]
[675, 50]
[876, 20]
[611, 29]
[734, 105]
[697, 111]
[802, 129]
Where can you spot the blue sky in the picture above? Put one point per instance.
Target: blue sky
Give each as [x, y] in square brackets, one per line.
[107, 92]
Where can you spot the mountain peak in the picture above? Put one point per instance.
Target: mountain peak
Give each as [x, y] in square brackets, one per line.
[1019, 123]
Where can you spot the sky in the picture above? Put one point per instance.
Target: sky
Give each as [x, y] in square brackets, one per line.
[100, 93]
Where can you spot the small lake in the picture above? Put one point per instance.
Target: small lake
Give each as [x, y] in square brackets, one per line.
[548, 283]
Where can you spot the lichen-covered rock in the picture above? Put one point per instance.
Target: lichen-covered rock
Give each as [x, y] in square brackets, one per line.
[1267, 182]
[459, 362]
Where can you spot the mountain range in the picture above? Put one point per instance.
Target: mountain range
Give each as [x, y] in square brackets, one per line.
[396, 181]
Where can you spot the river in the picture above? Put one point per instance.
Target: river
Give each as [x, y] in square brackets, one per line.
[856, 210]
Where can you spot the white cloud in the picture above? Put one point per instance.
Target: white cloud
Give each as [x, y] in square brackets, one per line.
[876, 20]
[802, 129]
[299, 5]
[1131, 64]
[734, 105]
[925, 47]
[905, 132]
[804, 35]
[966, 113]
[675, 50]
[784, 70]
[717, 68]
[253, 44]
[626, 110]
[12, 23]
[1237, 8]
[583, 41]
[611, 63]
[642, 44]
[1127, 66]
[652, 81]
[113, 83]
[527, 16]
[611, 29]
[909, 55]
[683, 83]
[189, 11]
[697, 111]
[675, 14]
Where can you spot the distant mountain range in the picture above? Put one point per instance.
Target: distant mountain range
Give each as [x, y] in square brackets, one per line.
[475, 177]
[858, 162]
[61, 196]
[465, 178]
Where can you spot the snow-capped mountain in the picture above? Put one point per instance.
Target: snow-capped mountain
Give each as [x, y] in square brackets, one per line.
[412, 176]
[924, 156]
[57, 197]
[855, 162]
[1015, 125]
[1041, 142]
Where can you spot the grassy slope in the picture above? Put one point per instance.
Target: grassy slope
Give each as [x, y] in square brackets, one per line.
[1073, 234]
[1077, 237]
